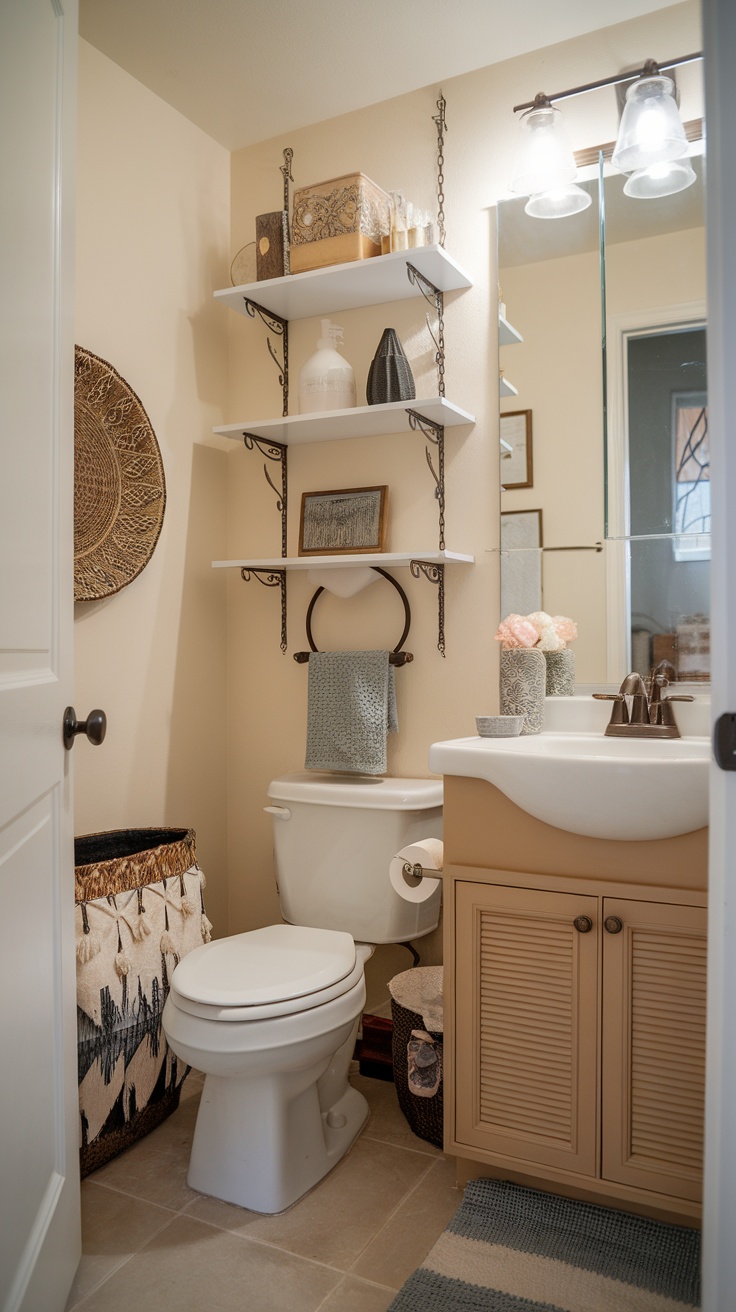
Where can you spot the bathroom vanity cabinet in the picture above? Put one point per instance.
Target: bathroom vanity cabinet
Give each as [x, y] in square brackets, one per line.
[574, 1006]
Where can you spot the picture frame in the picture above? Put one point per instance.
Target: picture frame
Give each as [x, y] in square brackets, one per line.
[516, 464]
[344, 521]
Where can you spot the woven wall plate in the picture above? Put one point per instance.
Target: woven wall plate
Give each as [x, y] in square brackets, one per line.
[119, 487]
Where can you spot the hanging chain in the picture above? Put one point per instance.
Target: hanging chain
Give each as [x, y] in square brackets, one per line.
[440, 120]
[286, 170]
[286, 231]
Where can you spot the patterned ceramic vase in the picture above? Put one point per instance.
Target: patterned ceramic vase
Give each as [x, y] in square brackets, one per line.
[390, 377]
[523, 682]
[560, 673]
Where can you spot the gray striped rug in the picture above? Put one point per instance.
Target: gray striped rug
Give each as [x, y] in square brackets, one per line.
[510, 1249]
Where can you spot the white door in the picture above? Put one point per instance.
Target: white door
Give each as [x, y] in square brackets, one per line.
[719, 1210]
[39, 1163]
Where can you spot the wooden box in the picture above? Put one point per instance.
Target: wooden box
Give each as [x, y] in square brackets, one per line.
[337, 221]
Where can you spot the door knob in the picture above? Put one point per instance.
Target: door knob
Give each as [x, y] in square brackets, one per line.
[583, 924]
[95, 727]
[613, 924]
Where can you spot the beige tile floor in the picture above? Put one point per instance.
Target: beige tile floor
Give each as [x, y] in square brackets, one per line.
[151, 1243]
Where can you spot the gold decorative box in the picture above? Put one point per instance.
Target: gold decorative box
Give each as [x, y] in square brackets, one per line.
[337, 221]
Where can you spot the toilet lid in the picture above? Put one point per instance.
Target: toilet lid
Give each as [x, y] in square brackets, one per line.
[265, 966]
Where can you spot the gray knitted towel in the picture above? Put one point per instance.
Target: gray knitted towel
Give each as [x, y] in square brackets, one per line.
[351, 708]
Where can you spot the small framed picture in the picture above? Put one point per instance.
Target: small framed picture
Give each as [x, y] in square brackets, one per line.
[516, 449]
[341, 522]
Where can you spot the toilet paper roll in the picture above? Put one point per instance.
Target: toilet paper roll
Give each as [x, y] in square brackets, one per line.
[428, 853]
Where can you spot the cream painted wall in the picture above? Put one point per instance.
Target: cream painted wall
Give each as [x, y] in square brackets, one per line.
[153, 233]
[395, 144]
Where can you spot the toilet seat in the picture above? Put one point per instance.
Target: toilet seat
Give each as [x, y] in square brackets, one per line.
[276, 971]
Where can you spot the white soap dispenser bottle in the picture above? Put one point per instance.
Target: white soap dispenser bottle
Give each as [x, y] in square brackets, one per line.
[326, 381]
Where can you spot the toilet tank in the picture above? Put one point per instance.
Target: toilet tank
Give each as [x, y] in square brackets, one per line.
[334, 838]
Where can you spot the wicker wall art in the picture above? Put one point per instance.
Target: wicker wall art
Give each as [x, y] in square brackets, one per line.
[119, 486]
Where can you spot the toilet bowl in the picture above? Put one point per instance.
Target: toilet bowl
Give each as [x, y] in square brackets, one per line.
[271, 1017]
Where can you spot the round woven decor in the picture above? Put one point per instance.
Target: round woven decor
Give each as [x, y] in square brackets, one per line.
[119, 487]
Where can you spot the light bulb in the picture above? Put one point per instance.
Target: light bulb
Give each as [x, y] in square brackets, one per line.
[544, 158]
[664, 179]
[558, 203]
[651, 129]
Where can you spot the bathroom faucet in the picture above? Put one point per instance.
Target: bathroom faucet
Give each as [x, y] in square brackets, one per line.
[651, 714]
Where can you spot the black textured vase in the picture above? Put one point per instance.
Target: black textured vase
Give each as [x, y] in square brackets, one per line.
[389, 377]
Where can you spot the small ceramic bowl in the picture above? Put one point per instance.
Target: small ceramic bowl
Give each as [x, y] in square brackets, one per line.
[499, 726]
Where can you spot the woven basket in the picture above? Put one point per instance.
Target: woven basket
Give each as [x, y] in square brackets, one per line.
[139, 910]
[425, 1115]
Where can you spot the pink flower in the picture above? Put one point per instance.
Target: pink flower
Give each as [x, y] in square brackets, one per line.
[517, 631]
[566, 629]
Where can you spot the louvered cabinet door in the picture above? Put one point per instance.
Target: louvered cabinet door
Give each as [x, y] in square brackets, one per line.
[526, 1025]
[654, 971]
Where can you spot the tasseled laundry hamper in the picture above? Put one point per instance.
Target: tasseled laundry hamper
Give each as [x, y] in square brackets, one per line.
[139, 910]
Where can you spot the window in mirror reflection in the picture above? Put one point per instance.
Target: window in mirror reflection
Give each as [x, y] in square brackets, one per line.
[669, 481]
[692, 475]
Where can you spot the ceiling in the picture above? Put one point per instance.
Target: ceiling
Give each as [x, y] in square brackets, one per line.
[248, 70]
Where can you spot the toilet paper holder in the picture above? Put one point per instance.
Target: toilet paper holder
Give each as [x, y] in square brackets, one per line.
[417, 872]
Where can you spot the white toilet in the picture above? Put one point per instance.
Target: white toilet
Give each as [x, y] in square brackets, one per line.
[271, 1016]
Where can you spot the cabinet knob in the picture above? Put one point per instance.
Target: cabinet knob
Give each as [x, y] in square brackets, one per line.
[613, 925]
[583, 924]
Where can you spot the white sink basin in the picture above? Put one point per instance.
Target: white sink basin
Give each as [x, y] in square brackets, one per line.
[601, 787]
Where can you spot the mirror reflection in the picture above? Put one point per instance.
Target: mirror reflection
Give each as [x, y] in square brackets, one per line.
[605, 513]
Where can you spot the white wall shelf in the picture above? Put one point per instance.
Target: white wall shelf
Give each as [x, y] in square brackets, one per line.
[507, 388]
[359, 421]
[426, 271]
[349, 286]
[387, 560]
[507, 334]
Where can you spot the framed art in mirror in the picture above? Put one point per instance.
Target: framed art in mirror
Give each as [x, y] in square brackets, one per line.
[516, 464]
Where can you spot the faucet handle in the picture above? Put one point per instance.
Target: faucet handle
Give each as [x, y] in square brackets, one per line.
[667, 715]
[620, 711]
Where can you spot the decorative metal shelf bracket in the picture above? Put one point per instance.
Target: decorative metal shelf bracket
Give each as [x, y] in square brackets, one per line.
[434, 433]
[436, 299]
[277, 452]
[434, 574]
[271, 578]
[280, 327]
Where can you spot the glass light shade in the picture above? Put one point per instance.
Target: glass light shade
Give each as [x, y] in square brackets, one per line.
[651, 130]
[544, 158]
[660, 179]
[559, 203]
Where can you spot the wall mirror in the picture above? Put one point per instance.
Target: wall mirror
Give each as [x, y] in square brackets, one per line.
[605, 512]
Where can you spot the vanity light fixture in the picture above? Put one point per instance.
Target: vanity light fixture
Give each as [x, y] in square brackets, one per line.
[652, 145]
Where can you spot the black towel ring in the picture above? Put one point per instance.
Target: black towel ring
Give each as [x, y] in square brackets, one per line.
[397, 656]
